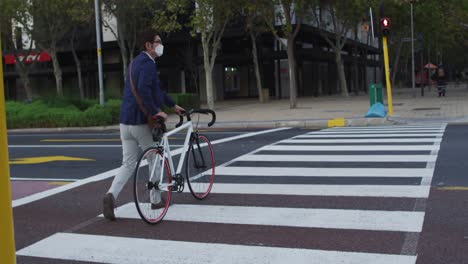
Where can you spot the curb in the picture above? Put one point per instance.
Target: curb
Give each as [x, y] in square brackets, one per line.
[304, 123]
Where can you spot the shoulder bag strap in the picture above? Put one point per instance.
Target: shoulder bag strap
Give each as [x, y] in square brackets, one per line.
[137, 97]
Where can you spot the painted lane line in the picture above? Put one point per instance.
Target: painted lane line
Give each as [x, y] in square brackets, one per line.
[43, 179]
[324, 172]
[41, 195]
[367, 140]
[111, 173]
[89, 140]
[370, 135]
[351, 148]
[72, 146]
[406, 191]
[428, 132]
[82, 140]
[339, 158]
[400, 221]
[385, 128]
[379, 129]
[108, 249]
[427, 126]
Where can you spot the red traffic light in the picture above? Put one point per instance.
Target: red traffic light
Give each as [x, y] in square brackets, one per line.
[385, 22]
[385, 26]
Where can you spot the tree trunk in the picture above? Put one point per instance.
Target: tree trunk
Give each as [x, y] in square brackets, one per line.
[355, 63]
[341, 73]
[208, 73]
[397, 60]
[257, 68]
[78, 66]
[57, 72]
[23, 72]
[124, 54]
[292, 75]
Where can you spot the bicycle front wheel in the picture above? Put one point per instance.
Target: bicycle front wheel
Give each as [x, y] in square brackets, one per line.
[200, 167]
[152, 193]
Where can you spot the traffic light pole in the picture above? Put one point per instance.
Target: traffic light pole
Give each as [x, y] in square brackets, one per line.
[7, 252]
[387, 77]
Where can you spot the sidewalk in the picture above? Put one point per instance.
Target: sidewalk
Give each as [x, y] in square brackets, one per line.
[315, 112]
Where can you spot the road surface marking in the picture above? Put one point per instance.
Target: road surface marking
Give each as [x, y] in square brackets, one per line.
[42, 179]
[352, 148]
[39, 160]
[453, 188]
[339, 158]
[60, 183]
[108, 249]
[407, 191]
[72, 146]
[426, 132]
[367, 140]
[112, 173]
[89, 140]
[375, 220]
[374, 135]
[82, 140]
[324, 172]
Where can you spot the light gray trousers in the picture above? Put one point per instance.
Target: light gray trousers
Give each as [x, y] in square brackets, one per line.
[135, 139]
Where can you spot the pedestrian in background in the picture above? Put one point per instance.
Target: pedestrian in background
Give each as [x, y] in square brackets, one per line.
[441, 79]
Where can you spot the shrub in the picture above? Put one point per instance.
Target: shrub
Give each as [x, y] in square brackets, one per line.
[56, 113]
[68, 112]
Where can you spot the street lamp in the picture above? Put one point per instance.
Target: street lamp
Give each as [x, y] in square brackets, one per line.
[412, 51]
[97, 10]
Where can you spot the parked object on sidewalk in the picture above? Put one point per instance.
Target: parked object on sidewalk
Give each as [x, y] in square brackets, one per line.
[376, 110]
[375, 93]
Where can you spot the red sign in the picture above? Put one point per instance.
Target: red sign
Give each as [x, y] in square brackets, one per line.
[40, 57]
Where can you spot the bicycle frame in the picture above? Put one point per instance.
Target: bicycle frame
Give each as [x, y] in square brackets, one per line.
[167, 153]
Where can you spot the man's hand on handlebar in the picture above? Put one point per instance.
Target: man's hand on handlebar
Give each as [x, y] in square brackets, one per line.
[179, 110]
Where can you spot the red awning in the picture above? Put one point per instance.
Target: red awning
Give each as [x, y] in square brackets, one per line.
[40, 57]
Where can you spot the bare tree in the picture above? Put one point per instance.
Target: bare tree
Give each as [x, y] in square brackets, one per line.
[131, 17]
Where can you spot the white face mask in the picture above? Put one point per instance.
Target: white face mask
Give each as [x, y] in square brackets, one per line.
[159, 50]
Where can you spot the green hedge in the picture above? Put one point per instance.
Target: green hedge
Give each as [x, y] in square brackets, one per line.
[63, 112]
[45, 113]
[187, 101]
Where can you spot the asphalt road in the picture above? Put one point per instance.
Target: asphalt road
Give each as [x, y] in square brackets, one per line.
[354, 194]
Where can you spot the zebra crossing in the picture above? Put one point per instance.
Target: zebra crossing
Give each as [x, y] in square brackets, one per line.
[339, 195]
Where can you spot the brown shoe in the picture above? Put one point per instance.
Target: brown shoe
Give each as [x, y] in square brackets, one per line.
[159, 205]
[108, 206]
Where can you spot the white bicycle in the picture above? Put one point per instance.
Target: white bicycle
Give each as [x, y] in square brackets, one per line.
[156, 179]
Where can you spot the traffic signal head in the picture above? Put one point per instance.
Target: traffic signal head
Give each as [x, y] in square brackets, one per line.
[385, 26]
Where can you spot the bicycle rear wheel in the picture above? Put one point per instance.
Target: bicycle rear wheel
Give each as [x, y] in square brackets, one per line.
[152, 195]
[200, 167]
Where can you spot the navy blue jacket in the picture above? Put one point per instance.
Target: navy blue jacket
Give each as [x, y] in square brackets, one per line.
[146, 81]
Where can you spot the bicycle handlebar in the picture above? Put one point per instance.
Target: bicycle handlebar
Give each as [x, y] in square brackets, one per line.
[199, 111]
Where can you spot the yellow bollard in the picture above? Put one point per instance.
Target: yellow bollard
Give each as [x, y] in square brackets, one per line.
[7, 251]
[337, 122]
[387, 77]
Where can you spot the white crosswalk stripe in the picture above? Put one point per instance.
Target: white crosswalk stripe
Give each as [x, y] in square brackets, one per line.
[375, 209]
[116, 250]
[353, 148]
[298, 217]
[340, 158]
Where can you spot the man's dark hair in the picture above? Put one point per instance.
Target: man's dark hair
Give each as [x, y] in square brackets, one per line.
[146, 36]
